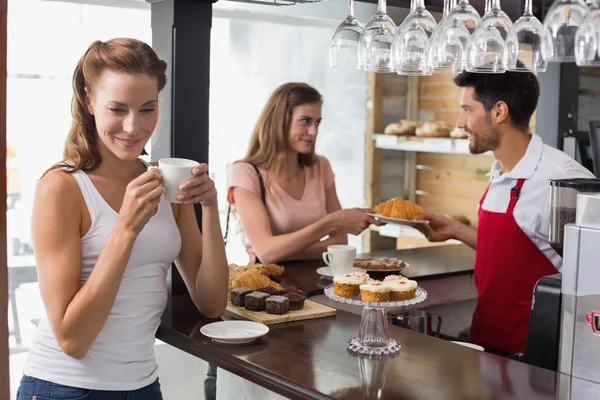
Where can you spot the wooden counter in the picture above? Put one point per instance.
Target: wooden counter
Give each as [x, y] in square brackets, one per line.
[308, 359]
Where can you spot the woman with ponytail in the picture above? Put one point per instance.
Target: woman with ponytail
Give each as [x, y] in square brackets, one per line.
[104, 238]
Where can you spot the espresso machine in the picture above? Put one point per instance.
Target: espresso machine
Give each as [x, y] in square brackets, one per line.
[564, 325]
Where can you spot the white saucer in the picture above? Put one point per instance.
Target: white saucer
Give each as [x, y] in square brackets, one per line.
[471, 345]
[325, 271]
[234, 332]
[397, 221]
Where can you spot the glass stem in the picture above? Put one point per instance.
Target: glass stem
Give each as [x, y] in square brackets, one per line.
[417, 4]
[446, 7]
[351, 8]
[495, 5]
[381, 7]
[488, 5]
[528, 8]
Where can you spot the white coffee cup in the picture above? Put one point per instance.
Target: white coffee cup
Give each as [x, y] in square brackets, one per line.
[174, 172]
[340, 257]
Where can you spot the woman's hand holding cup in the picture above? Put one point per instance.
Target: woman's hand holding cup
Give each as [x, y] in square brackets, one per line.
[140, 203]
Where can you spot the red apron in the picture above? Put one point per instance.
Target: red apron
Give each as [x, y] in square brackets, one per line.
[507, 267]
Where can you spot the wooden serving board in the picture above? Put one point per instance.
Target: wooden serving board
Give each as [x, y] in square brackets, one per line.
[311, 310]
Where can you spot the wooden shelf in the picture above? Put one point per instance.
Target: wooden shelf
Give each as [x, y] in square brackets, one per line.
[423, 145]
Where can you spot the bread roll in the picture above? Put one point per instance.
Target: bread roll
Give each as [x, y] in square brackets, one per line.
[402, 128]
[434, 129]
[458, 133]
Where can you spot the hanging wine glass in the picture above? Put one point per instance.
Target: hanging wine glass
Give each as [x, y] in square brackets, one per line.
[524, 43]
[375, 45]
[343, 48]
[453, 37]
[587, 39]
[487, 45]
[410, 49]
[560, 27]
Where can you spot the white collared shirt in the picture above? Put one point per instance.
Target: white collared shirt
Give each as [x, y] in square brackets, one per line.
[539, 164]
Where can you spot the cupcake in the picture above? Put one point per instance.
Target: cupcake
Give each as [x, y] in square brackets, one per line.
[348, 285]
[375, 292]
[402, 289]
[394, 278]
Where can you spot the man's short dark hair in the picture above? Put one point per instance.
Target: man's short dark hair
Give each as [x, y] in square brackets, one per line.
[519, 90]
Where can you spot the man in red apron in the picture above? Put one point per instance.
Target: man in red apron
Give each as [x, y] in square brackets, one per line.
[511, 241]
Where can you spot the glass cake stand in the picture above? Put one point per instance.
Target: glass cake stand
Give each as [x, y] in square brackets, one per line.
[374, 333]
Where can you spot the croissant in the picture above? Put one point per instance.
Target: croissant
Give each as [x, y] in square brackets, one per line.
[254, 280]
[399, 208]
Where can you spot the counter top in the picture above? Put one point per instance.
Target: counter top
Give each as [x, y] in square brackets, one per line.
[308, 359]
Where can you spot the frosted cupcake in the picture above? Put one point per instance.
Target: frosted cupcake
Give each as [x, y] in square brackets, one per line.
[348, 285]
[402, 289]
[374, 292]
[394, 278]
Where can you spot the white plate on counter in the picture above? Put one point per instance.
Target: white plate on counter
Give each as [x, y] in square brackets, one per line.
[234, 332]
[325, 271]
[408, 222]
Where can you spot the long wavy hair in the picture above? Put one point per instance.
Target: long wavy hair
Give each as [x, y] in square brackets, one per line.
[123, 55]
[269, 142]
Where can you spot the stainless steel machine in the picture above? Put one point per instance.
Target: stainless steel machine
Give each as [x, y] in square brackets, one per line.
[579, 348]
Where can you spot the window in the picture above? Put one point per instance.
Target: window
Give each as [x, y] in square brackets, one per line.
[250, 57]
[40, 67]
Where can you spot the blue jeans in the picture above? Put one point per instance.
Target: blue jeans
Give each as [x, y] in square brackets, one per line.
[37, 389]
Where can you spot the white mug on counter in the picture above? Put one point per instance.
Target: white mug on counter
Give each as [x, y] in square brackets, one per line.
[340, 257]
[174, 172]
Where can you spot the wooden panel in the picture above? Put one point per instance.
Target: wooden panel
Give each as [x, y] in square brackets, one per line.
[410, 242]
[460, 189]
[311, 310]
[448, 116]
[4, 362]
[451, 103]
[438, 78]
[444, 176]
[453, 161]
[452, 202]
[374, 124]
[437, 91]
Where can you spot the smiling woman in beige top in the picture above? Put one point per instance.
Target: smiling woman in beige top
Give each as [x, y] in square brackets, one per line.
[301, 214]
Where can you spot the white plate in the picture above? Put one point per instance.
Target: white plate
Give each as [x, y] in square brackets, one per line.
[234, 332]
[406, 265]
[397, 221]
[471, 345]
[325, 271]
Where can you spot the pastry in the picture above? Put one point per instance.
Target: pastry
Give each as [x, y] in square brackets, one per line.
[399, 208]
[374, 292]
[277, 305]
[458, 132]
[402, 128]
[255, 301]
[434, 129]
[238, 296]
[402, 289]
[296, 300]
[254, 280]
[348, 285]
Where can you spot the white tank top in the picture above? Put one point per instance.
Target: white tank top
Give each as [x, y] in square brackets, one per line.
[122, 356]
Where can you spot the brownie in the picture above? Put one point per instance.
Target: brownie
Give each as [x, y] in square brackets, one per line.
[238, 296]
[270, 290]
[278, 305]
[255, 301]
[296, 300]
[292, 289]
